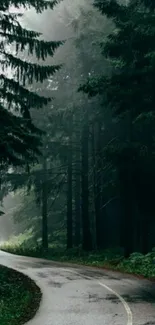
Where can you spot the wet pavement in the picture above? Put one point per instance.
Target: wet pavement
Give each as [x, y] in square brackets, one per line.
[75, 295]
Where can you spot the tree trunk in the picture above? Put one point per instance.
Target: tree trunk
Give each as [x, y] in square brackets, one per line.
[145, 235]
[98, 198]
[97, 173]
[77, 195]
[127, 222]
[126, 175]
[93, 153]
[87, 240]
[69, 192]
[44, 209]
[129, 247]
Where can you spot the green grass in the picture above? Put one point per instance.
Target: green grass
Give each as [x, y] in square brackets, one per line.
[19, 297]
[137, 263]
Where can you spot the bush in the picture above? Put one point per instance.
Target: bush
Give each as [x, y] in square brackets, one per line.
[112, 258]
[19, 299]
[139, 264]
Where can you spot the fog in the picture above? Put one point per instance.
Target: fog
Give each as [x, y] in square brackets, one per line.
[58, 24]
[54, 25]
[10, 203]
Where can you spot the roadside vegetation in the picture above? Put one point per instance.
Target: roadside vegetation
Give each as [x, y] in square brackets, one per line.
[113, 259]
[19, 297]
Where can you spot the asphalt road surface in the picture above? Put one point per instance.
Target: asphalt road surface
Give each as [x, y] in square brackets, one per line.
[75, 295]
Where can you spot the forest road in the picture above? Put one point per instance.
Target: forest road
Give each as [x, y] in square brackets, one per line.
[76, 295]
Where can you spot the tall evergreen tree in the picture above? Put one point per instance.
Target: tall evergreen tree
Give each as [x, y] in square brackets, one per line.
[19, 138]
[129, 92]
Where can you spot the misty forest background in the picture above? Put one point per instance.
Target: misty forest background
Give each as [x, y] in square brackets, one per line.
[93, 187]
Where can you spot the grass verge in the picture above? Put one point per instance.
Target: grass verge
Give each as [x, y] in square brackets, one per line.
[137, 263]
[19, 297]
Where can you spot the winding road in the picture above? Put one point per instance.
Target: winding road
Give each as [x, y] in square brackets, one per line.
[76, 295]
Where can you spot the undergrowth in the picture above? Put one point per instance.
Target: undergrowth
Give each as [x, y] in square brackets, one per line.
[137, 263]
[19, 297]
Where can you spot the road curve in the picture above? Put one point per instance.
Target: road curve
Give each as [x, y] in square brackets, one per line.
[75, 295]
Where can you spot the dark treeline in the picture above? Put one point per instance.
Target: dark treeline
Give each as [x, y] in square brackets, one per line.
[93, 185]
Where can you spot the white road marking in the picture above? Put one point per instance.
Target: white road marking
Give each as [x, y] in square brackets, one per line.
[126, 306]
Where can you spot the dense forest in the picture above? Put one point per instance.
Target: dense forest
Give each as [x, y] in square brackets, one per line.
[77, 123]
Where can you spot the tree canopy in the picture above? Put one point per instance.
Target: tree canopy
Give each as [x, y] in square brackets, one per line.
[19, 139]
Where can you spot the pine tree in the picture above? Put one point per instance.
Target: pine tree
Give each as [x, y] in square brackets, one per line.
[129, 93]
[19, 138]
